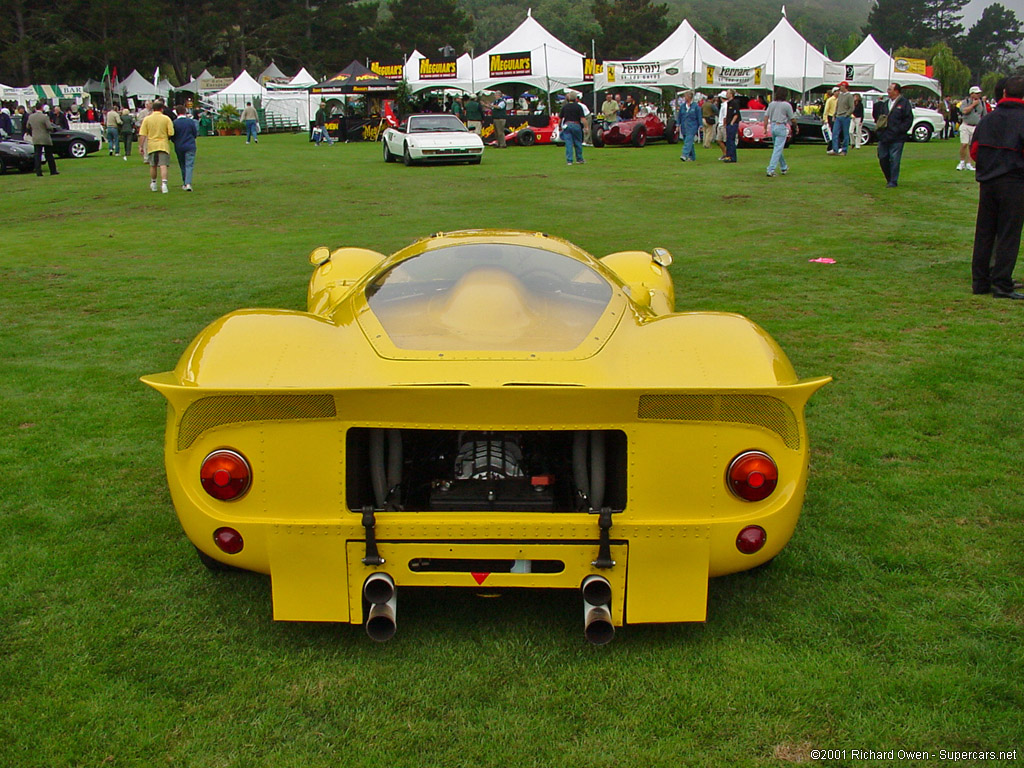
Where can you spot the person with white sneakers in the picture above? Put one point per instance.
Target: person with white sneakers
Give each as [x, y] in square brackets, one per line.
[972, 109]
[155, 144]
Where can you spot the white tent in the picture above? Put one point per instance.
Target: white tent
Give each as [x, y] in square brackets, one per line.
[789, 60]
[192, 86]
[692, 50]
[870, 52]
[243, 89]
[272, 73]
[530, 55]
[303, 79]
[422, 73]
[138, 86]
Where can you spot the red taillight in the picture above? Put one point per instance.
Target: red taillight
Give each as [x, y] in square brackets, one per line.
[751, 539]
[225, 475]
[753, 476]
[228, 540]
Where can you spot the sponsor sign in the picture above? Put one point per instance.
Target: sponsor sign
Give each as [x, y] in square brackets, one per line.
[590, 67]
[510, 64]
[914, 66]
[854, 74]
[214, 83]
[734, 77]
[390, 71]
[438, 69]
[634, 72]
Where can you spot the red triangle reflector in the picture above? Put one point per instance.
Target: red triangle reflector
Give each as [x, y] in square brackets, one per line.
[480, 577]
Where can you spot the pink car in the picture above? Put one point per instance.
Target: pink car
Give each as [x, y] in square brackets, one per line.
[752, 132]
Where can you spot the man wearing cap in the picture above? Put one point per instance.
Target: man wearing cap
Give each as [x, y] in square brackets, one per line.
[841, 129]
[723, 113]
[997, 150]
[971, 111]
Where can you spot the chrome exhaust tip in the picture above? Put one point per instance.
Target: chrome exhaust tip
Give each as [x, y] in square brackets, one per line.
[380, 622]
[378, 588]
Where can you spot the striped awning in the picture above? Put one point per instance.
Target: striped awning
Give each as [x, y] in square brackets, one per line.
[57, 91]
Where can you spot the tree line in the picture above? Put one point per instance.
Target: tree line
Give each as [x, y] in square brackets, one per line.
[72, 40]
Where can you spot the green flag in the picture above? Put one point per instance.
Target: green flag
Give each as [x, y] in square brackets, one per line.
[106, 73]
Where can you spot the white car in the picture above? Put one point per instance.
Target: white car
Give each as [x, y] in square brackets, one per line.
[435, 138]
[926, 121]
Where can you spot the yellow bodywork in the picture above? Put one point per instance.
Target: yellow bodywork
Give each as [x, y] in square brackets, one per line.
[686, 392]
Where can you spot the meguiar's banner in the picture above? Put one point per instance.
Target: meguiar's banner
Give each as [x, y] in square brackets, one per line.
[510, 64]
[734, 77]
[390, 71]
[438, 69]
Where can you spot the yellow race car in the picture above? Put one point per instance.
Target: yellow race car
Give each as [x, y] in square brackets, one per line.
[486, 408]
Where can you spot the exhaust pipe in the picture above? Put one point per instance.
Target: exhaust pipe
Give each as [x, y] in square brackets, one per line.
[378, 588]
[379, 591]
[597, 618]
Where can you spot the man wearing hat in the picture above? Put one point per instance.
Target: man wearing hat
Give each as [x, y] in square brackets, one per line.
[844, 110]
[972, 109]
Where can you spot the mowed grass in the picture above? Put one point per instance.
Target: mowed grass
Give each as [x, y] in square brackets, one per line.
[893, 620]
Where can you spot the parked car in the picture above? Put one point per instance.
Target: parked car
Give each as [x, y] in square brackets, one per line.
[637, 131]
[486, 408]
[16, 156]
[432, 138]
[752, 132]
[926, 121]
[76, 144]
[538, 129]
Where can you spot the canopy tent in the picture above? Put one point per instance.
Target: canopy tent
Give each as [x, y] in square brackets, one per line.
[870, 52]
[94, 86]
[302, 80]
[789, 60]
[193, 85]
[272, 73]
[530, 55]
[355, 78]
[242, 89]
[139, 87]
[692, 51]
[422, 73]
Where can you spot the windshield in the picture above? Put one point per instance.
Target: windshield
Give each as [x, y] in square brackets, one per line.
[432, 123]
[489, 296]
[752, 115]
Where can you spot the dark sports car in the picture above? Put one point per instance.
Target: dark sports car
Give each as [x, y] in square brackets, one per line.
[75, 144]
[16, 156]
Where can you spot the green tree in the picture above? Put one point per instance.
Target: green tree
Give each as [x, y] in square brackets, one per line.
[630, 28]
[953, 74]
[992, 42]
[426, 26]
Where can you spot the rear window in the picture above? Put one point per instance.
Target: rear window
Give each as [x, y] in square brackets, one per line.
[489, 297]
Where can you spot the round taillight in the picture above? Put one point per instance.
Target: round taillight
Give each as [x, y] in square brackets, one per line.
[228, 540]
[225, 475]
[751, 539]
[753, 476]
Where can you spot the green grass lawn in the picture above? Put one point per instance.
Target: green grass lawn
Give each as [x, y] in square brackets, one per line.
[893, 620]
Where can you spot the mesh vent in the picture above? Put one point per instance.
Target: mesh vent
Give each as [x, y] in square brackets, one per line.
[759, 410]
[234, 409]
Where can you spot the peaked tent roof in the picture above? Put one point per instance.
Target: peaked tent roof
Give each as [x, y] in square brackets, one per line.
[462, 79]
[684, 43]
[243, 85]
[272, 73]
[303, 78]
[192, 86]
[870, 52]
[138, 86]
[552, 62]
[355, 78]
[789, 60]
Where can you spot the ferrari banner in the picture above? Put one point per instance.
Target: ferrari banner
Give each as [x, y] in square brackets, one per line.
[640, 73]
[734, 77]
[854, 74]
[510, 64]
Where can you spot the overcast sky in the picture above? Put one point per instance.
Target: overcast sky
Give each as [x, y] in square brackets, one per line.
[973, 10]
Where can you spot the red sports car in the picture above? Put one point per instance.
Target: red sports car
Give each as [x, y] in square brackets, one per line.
[752, 132]
[537, 129]
[637, 132]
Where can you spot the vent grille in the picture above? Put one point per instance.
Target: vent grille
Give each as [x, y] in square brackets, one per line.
[758, 410]
[215, 411]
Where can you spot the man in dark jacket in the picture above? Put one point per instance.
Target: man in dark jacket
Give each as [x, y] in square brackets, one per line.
[184, 138]
[998, 150]
[891, 138]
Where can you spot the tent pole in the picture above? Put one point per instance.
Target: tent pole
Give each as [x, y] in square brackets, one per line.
[547, 77]
[693, 74]
[593, 58]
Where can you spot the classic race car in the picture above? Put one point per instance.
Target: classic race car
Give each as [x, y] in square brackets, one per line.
[637, 132]
[16, 156]
[752, 132]
[486, 408]
[539, 129]
[432, 138]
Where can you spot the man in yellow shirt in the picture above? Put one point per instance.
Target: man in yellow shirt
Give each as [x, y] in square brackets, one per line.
[154, 144]
[828, 115]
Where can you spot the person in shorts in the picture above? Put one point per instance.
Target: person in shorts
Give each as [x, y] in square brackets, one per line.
[155, 144]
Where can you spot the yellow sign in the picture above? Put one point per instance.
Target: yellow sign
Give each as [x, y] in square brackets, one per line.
[914, 66]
